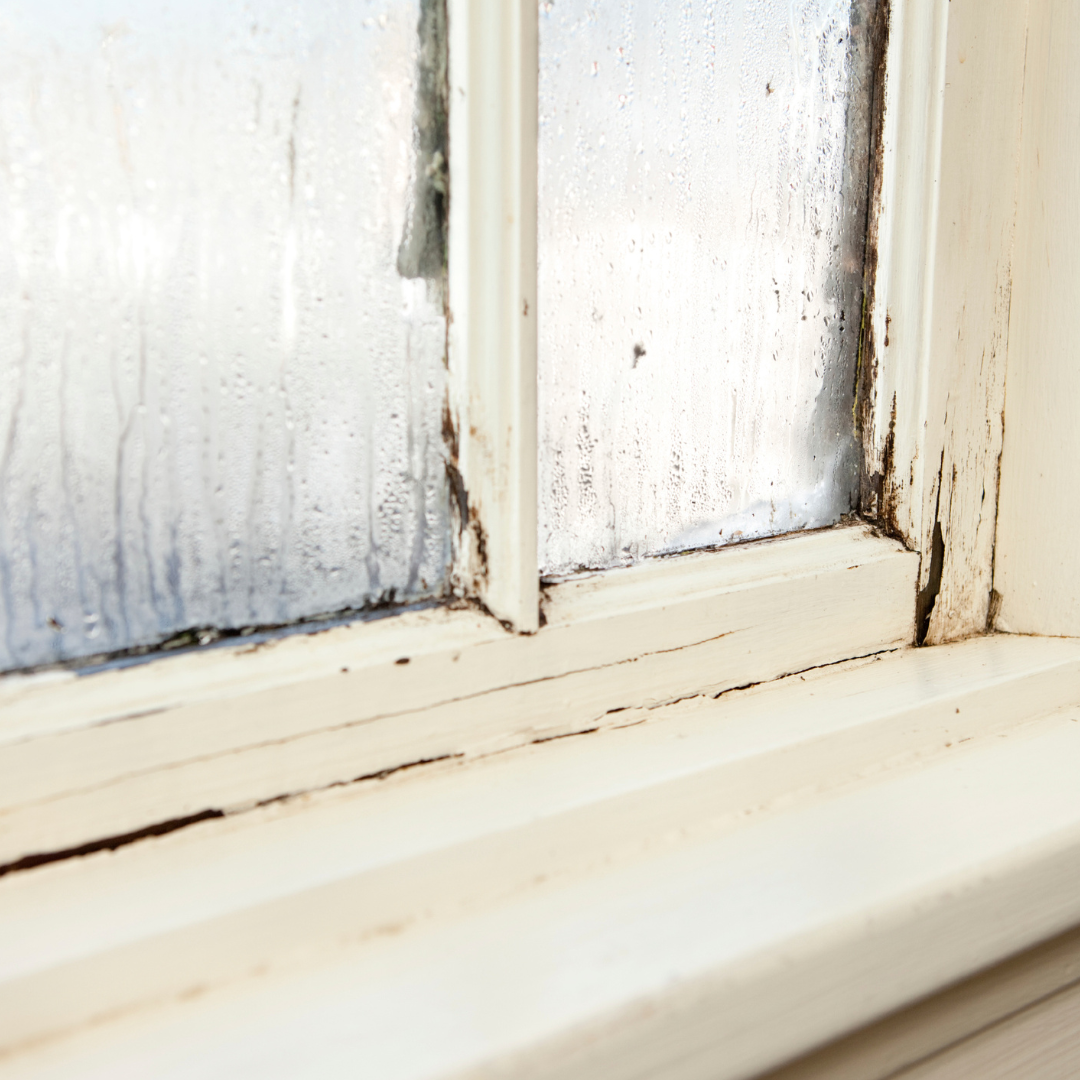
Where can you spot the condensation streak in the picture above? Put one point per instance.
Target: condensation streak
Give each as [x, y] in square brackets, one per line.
[220, 402]
[702, 223]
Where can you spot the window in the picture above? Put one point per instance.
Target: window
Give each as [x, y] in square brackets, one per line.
[222, 400]
[226, 237]
[702, 194]
[100, 760]
[230, 409]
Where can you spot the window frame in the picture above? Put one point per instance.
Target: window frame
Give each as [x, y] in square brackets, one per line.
[116, 717]
[159, 745]
[493, 127]
[604, 630]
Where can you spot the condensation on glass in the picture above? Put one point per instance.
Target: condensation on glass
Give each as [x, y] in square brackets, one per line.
[220, 388]
[703, 175]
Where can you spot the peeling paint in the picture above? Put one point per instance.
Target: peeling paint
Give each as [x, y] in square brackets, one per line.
[948, 343]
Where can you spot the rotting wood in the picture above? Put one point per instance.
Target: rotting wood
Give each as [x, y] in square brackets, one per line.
[901, 230]
[933, 372]
[982, 123]
[928, 595]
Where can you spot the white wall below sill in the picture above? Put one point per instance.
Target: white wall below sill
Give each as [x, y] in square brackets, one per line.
[706, 894]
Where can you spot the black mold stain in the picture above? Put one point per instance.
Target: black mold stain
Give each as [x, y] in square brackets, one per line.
[458, 494]
[466, 519]
[924, 607]
[879, 492]
[927, 597]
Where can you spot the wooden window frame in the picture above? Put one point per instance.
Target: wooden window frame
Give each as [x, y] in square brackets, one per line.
[238, 733]
[177, 739]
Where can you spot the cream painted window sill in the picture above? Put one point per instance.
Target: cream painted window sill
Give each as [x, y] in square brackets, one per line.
[708, 890]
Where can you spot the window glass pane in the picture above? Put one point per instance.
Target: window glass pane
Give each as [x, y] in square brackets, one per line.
[703, 170]
[220, 400]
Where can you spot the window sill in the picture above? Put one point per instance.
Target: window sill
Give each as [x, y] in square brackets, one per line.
[93, 757]
[684, 896]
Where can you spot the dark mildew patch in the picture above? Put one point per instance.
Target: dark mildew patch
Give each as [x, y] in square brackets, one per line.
[929, 594]
[924, 603]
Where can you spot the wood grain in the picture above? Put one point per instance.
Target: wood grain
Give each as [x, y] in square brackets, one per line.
[1040, 1043]
[914, 1035]
[1038, 547]
[941, 315]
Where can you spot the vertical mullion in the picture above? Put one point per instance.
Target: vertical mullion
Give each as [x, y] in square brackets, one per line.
[492, 301]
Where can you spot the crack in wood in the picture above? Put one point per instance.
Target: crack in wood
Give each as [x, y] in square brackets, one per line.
[112, 843]
[109, 843]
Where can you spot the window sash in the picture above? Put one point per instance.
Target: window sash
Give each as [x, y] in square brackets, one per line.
[218, 730]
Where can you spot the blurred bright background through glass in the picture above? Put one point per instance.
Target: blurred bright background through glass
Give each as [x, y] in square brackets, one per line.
[222, 381]
[702, 219]
[220, 403]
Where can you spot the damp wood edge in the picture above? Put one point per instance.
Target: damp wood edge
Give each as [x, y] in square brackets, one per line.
[933, 363]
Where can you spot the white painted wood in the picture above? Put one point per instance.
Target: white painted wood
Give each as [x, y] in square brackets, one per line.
[492, 309]
[921, 1031]
[1041, 1043]
[388, 855]
[702, 889]
[108, 754]
[984, 77]
[683, 898]
[941, 313]
[1038, 553]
